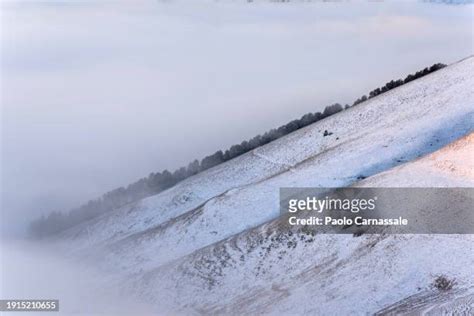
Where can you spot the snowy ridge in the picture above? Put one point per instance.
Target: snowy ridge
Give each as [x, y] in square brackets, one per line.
[270, 270]
[219, 230]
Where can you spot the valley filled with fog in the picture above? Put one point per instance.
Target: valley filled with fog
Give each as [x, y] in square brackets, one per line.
[98, 94]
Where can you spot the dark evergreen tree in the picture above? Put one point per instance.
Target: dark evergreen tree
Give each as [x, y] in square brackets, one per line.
[212, 160]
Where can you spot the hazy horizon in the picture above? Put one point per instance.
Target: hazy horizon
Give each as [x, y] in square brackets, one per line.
[96, 95]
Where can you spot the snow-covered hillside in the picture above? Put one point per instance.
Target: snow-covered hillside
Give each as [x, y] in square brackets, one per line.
[273, 271]
[212, 243]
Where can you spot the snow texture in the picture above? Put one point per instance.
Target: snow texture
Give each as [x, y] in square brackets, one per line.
[212, 243]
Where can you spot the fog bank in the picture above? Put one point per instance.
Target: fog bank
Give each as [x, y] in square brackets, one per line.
[34, 271]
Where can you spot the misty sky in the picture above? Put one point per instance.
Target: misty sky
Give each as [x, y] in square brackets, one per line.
[96, 94]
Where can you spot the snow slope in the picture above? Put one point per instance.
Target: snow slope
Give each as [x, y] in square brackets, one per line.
[267, 270]
[219, 230]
